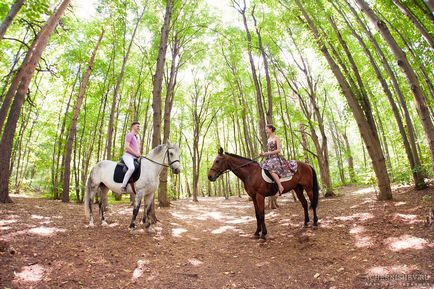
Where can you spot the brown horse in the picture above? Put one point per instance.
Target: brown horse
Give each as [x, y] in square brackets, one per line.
[249, 171]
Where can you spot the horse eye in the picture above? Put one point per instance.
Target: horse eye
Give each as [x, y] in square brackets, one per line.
[171, 154]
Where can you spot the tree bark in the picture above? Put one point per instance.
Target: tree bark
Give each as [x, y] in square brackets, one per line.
[411, 76]
[15, 8]
[259, 100]
[168, 104]
[73, 127]
[418, 175]
[414, 164]
[407, 12]
[27, 69]
[368, 135]
[158, 76]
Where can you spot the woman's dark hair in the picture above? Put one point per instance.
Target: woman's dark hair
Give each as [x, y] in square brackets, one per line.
[272, 127]
[134, 123]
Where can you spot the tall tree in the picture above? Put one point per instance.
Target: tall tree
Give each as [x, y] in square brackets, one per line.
[157, 83]
[410, 15]
[24, 78]
[73, 127]
[369, 136]
[110, 138]
[242, 8]
[15, 8]
[403, 63]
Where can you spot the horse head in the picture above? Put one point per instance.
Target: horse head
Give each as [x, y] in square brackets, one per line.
[218, 167]
[173, 158]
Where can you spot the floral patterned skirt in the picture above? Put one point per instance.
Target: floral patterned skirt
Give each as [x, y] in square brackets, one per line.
[280, 166]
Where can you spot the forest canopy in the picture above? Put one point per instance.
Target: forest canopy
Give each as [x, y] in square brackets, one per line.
[348, 84]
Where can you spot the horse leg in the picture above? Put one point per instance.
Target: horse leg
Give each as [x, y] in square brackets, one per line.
[136, 208]
[315, 217]
[147, 209]
[91, 189]
[299, 191]
[258, 224]
[103, 202]
[260, 200]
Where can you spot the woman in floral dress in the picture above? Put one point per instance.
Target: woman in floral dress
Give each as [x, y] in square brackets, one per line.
[274, 162]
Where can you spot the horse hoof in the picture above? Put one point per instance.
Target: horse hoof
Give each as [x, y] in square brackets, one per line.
[104, 224]
[305, 226]
[91, 225]
[314, 227]
[132, 226]
[255, 237]
[262, 239]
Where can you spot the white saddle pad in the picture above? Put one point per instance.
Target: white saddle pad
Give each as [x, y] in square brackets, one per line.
[268, 180]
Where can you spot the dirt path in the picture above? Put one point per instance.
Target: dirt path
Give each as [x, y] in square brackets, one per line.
[360, 243]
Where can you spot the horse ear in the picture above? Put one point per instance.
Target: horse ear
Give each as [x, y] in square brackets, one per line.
[220, 151]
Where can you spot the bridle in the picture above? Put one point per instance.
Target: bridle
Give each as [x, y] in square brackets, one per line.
[162, 164]
[221, 172]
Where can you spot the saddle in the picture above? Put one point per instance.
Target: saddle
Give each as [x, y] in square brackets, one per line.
[269, 179]
[121, 169]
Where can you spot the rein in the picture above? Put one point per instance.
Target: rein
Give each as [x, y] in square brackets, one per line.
[219, 173]
[161, 164]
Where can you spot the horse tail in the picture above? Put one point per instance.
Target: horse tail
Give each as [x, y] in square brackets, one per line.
[87, 195]
[315, 188]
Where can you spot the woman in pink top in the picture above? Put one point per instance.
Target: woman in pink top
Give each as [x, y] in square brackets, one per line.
[132, 151]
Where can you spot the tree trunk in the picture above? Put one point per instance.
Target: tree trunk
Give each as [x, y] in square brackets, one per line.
[349, 159]
[116, 90]
[158, 76]
[410, 143]
[368, 135]
[407, 12]
[168, 104]
[27, 69]
[411, 76]
[269, 112]
[259, 100]
[73, 127]
[15, 8]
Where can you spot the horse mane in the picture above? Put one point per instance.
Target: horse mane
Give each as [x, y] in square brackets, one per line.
[240, 157]
[159, 148]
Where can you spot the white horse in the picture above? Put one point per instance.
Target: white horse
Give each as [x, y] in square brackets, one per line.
[101, 176]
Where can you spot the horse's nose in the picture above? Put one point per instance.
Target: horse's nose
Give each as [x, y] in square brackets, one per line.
[176, 171]
[210, 177]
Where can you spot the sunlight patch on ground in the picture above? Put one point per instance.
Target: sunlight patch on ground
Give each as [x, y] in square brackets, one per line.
[177, 232]
[406, 218]
[180, 216]
[241, 220]
[366, 201]
[363, 191]
[357, 230]
[386, 270]
[7, 222]
[360, 216]
[32, 273]
[223, 229]
[215, 215]
[195, 262]
[38, 217]
[140, 269]
[405, 242]
[235, 206]
[397, 204]
[363, 241]
[45, 231]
